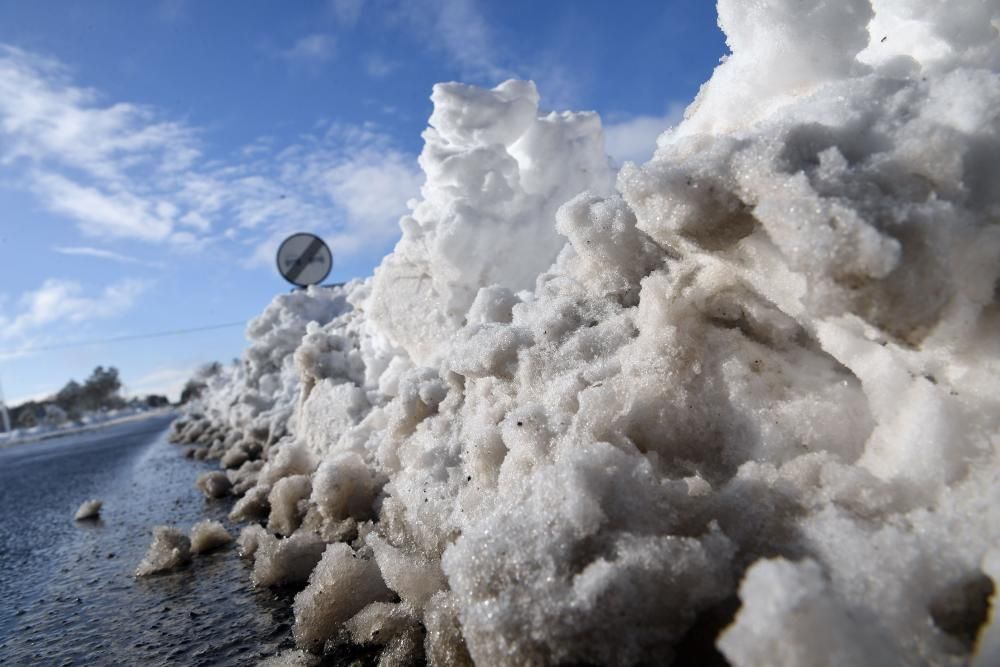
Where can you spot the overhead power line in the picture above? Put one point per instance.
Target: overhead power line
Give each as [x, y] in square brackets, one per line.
[119, 339]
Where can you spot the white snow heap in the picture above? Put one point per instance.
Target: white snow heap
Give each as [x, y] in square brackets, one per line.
[256, 397]
[492, 190]
[564, 421]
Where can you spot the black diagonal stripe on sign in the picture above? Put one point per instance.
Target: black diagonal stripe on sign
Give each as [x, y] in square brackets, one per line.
[303, 261]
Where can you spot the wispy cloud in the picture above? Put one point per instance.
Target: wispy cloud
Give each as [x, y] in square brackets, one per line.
[59, 302]
[635, 139]
[101, 253]
[372, 188]
[121, 214]
[378, 65]
[347, 12]
[460, 30]
[355, 171]
[558, 87]
[49, 122]
[467, 37]
[317, 48]
[96, 164]
[121, 171]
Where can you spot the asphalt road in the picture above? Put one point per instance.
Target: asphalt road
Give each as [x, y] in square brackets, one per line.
[67, 588]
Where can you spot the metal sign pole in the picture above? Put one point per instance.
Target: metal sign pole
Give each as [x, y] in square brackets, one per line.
[3, 411]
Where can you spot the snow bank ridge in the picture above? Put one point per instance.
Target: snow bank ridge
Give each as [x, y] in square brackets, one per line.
[576, 414]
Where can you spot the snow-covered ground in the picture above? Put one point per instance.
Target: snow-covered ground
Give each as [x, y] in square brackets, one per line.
[577, 413]
[89, 422]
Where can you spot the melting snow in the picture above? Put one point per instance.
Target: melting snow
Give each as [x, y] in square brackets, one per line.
[576, 413]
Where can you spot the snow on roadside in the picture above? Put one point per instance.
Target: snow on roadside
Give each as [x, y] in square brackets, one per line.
[575, 414]
[90, 422]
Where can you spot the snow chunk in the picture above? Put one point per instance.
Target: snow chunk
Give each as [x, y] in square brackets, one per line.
[250, 539]
[284, 561]
[492, 304]
[207, 535]
[213, 484]
[169, 549]
[790, 618]
[392, 626]
[444, 644]
[414, 578]
[379, 623]
[234, 458]
[289, 458]
[253, 505]
[343, 487]
[333, 408]
[89, 509]
[341, 585]
[286, 500]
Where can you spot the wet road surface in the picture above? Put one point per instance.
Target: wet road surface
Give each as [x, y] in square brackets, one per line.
[67, 587]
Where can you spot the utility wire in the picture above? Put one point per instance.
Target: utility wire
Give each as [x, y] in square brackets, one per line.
[118, 339]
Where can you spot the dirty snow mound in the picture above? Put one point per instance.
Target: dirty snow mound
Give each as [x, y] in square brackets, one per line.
[749, 388]
[169, 550]
[208, 535]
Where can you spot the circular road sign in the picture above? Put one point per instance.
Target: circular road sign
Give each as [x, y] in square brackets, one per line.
[303, 259]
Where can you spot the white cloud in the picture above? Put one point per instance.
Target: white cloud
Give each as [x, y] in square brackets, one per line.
[186, 242]
[347, 12]
[59, 302]
[350, 184]
[378, 66]
[635, 139]
[97, 165]
[168, 381]
[260, 145]
[51, 123]
[373, 190]
[120, 172]
[100, 253]
[101, 214]
[316, 49]
[557, 86]
[468, 38]
[462, 31]
[459, 28]
[352, 177]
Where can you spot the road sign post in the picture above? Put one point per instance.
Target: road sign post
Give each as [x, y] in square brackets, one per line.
[4, 415]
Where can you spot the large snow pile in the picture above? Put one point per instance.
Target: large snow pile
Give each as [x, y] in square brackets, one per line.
[749, 389]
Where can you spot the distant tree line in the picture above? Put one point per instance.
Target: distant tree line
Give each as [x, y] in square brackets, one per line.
[98, 393]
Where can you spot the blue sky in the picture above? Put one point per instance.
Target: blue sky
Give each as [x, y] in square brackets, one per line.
[153, 154]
